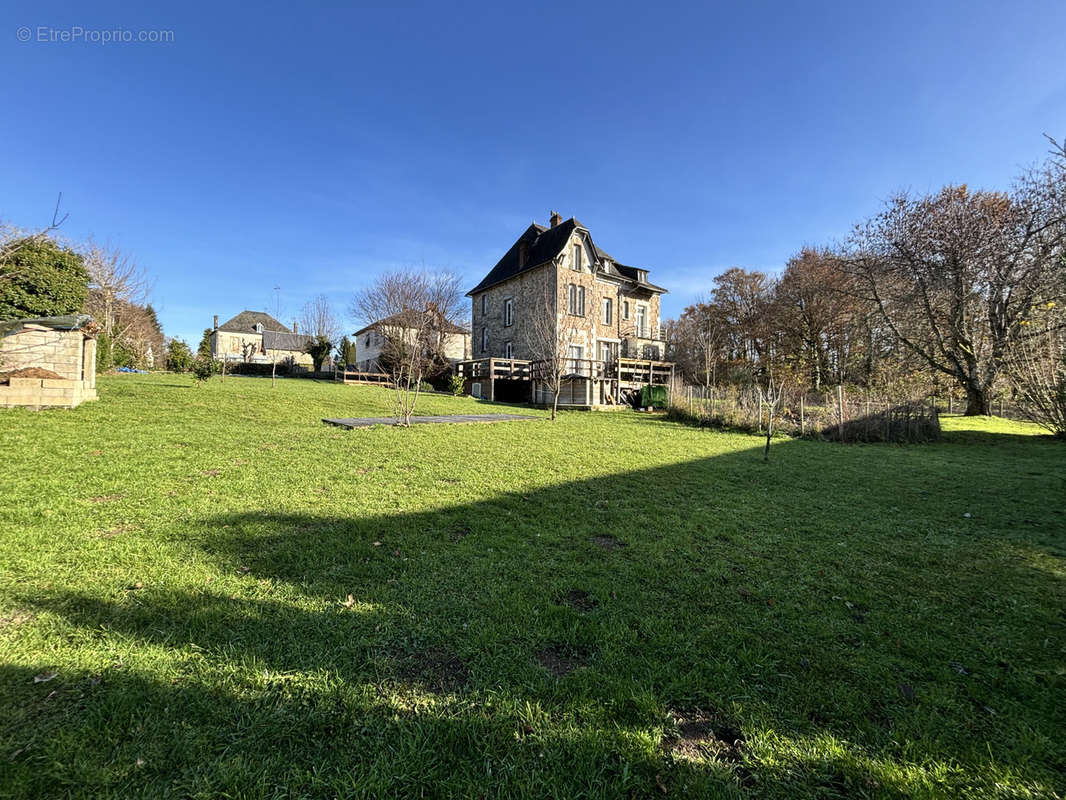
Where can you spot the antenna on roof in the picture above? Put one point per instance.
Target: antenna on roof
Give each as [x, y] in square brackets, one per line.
[277, 301]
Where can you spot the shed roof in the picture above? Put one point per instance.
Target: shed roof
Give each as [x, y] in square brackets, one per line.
[67, 322]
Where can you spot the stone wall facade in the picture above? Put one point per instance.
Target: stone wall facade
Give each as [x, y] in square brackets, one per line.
[532, 292]
[547, 289]
[69, 354]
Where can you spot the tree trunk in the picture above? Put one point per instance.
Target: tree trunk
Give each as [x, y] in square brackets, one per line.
[978, 403]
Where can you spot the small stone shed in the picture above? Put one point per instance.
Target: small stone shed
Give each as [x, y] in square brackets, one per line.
[49, 361]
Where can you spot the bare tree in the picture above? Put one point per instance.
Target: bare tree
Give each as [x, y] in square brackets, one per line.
[955, 274]
[771, 390]
[12, 239]
[699, 335]
[115, 280]
[415, 313]
[816, 309]
[548, 347]
[1036, 365]
[317, 319]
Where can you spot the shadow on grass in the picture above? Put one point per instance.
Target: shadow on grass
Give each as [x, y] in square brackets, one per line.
[397, 653]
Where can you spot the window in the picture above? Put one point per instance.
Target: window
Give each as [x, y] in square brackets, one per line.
[607, 310]
[259, 327]
[484, 304]
[508, 312]
[577, 300]
[575, 353]
[484, 340]
[508, 350]
[625, 309]
[642, 321]
[578, 250]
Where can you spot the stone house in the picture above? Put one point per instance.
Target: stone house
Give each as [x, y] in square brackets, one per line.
[607, 312]
[255, 337]
[49, 361]
[370, 340]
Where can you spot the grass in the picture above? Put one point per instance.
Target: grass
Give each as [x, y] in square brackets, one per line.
[236, 600]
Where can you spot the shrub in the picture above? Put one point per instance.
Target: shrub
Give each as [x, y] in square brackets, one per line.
[179, 356]
[456, 385]
[203, 368]
[104, 358]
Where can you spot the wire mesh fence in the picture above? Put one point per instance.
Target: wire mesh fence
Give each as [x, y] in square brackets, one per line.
[838, 414]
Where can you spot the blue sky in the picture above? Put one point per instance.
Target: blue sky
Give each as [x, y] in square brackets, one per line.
[309, 146]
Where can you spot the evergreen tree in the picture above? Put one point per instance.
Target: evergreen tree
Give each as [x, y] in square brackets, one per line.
[346, 351]
[204, 349]
[42, 279]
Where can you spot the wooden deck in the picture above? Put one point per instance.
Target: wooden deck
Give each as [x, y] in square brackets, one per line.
[615, 376]
[627, 370]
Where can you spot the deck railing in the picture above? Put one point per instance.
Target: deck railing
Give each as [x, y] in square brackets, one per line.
[354, 376]
[498, 368]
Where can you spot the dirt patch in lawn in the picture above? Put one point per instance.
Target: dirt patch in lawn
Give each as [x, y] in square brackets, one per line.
[13, 618]
[111, 533]
[608, 542]
[106, 498]
[30, 372]
[579, 600]
[435, 669]
[697, 735]
[561, 660]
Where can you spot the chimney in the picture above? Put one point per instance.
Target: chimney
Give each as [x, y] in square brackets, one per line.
[216, 322]
[555, 219]
[294, 328]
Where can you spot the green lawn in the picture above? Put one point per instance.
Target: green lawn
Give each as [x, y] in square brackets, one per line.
[238, 600]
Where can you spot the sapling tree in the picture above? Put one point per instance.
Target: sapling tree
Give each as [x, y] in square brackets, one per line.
[548, 345]
[415, 312]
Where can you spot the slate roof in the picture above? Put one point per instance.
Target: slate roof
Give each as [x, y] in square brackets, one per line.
[408, 319]
[281, 340]
[633, 273]
[245, 322]
[544, 244]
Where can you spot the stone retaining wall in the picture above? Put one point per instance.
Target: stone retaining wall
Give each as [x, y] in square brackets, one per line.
[45, 392]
